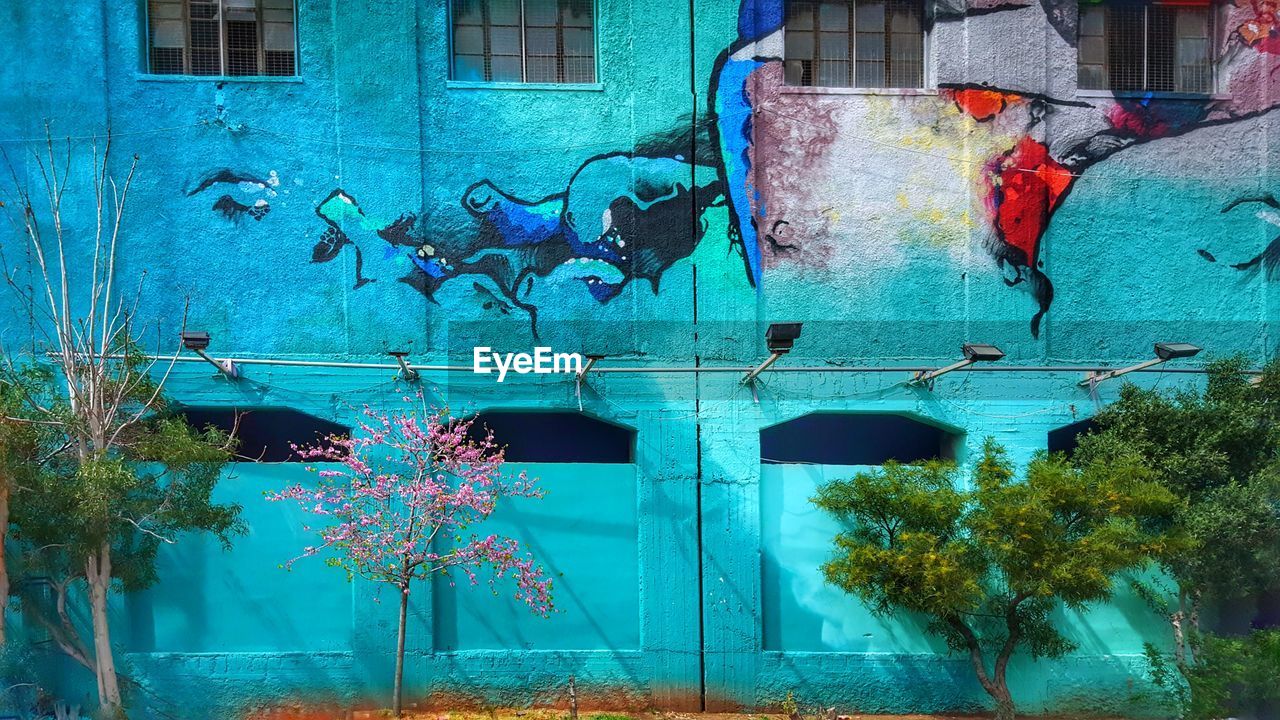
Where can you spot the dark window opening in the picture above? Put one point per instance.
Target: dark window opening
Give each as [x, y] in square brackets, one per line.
[556, 437]
[855, 439]
[266, 434]
[855, 43]
[1161, 47]
[1066, 438]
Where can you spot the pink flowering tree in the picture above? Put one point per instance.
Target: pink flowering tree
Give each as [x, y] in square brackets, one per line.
[398, 504]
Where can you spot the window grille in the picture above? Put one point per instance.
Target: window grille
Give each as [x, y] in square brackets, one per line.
[222, 37]
[855, 43]
[1155, 47]
[534, 41]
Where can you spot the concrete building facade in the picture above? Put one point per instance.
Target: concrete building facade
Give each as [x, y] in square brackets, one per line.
[656, 182]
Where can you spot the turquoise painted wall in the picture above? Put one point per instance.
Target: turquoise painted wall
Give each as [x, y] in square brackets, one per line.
[884, 221]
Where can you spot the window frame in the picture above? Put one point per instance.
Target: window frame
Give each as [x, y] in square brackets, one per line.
[1215, 22]
[926, 87]
[223, 49]
[453, 82]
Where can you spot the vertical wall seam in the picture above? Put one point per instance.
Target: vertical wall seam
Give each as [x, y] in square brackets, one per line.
[694, 227]
[106, 65]
[337, 152]
[420, 100]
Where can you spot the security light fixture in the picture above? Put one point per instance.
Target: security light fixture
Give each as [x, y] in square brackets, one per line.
[406, 372]
[973, 353]
[779, 339]
[193, 340]
[1173, 351]
[978, 352]
[781, 336]
[197, 342]
[1164, 352]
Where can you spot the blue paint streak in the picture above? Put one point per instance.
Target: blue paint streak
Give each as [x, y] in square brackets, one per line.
[758, 18]
[734, 110]
[521, 225]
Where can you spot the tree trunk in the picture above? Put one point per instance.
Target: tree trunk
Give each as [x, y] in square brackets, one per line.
[4, 566]
[1004, 705]
[398, 688]
[98, 575]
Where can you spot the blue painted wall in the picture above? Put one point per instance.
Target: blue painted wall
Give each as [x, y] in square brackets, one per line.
[688, 577]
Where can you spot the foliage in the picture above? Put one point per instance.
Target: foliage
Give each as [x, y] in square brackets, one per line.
[114, 475]
[136, 499]
[988, 565]
[1230, 672]
[151, 487]
[398, 500]
[1218, 451]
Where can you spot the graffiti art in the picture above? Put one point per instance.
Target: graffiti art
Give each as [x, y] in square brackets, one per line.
[633, 214]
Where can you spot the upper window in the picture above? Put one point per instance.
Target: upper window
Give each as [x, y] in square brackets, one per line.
[855, 43]
[530, 41]
[1146, 47]
[222, 37]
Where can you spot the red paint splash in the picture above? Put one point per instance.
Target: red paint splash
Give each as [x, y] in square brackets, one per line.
[982, 104]
[1025, 185]
[1259, 29]
[1137, 121]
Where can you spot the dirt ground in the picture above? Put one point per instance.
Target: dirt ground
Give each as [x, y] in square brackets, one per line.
[551, 714]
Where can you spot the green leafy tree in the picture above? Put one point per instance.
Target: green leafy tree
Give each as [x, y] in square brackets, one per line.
[116, 475]
[1216, 448]
[22, 445]
[987, 565]
[1228, 672]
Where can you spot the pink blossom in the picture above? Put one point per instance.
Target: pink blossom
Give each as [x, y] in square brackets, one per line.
[401, 496]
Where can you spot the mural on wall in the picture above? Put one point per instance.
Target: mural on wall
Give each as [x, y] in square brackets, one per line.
[1022, 186]
[255, 193]
[626, 212]
[1269, 259]
[631, 215]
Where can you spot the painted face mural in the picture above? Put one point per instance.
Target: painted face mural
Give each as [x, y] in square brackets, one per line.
[1016, 143]
[244, 195]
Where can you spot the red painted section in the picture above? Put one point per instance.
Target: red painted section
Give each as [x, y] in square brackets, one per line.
[1025, 187]
[1137, 121]
[1260, 31]
[983, 105]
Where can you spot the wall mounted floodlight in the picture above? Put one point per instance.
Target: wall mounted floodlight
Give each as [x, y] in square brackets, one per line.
[1173, 351]
[591, 362]
[197, 341]
[406, 372]
[779, 339]
[973, 353]
[1164, 353]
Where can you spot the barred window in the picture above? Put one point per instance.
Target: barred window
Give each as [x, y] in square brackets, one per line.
[222, 37]
[855, 43]
[1146, 47]
[531, 41]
